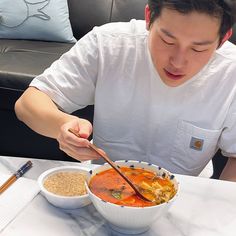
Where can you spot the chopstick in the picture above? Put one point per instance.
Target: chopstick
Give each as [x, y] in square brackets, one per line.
[15, 176]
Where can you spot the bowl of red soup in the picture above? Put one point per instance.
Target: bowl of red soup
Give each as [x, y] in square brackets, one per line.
[116, 201]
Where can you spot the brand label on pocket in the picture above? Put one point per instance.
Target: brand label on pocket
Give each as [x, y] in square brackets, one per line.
[196, 143]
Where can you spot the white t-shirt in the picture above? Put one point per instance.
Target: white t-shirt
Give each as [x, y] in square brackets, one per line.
[136, 115]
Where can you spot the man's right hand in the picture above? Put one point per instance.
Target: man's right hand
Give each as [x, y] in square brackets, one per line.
[74, 146]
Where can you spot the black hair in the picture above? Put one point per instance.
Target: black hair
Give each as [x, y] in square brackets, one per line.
[225, 10]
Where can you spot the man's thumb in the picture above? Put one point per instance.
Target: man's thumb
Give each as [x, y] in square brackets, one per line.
[85, 132]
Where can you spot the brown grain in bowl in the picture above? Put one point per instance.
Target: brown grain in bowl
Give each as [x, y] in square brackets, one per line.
[66, 183]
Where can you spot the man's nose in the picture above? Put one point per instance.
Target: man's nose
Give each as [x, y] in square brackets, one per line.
[179, 58]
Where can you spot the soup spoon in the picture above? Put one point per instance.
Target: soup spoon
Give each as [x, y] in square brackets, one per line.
[114, 166]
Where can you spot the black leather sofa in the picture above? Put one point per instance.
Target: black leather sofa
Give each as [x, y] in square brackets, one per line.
[22, 60]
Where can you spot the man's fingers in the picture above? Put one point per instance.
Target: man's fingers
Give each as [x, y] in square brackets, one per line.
[85, 131]
[80, 153]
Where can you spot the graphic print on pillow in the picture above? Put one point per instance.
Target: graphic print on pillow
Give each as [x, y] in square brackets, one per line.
[35, 19]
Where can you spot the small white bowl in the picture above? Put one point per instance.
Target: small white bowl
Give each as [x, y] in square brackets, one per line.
[126, 219]
[66, 202]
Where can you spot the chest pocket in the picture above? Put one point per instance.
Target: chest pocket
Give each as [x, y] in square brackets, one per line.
[193, 147]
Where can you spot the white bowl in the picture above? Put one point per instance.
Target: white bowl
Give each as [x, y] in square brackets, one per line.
[66, 202]
[131, 220]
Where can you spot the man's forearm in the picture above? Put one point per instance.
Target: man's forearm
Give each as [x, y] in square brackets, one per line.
[229, 172]
[39, 112]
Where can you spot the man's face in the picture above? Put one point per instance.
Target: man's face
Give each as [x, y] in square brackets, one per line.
[182, 44]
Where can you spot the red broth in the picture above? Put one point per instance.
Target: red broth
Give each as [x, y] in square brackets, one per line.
[111, 187]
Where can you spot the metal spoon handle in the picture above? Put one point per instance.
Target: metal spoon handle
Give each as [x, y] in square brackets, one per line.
[114, 166]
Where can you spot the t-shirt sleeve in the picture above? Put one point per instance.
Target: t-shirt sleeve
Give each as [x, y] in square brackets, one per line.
[227, 142]
[70, 81]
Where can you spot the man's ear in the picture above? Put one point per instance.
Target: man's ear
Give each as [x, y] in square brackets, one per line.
[226, 37]
[147, 16]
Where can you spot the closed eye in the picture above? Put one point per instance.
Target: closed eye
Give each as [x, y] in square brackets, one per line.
[195, 50]
[166, 42]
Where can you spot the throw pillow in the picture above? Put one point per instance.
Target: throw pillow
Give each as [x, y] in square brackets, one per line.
[35, 19]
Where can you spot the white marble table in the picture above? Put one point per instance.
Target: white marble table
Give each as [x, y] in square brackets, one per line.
[204, 207]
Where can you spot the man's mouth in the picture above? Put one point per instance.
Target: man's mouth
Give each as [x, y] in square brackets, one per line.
[174, 76]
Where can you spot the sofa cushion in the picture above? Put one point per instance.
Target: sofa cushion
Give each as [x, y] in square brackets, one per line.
[85, 15]
[34, 19]
[21, 61]
[121, 10]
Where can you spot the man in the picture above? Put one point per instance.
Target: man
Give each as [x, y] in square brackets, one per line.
[163, 89]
